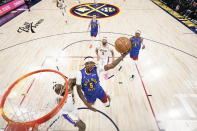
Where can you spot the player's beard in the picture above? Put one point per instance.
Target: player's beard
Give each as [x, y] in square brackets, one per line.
[104, 43]
[89, 70]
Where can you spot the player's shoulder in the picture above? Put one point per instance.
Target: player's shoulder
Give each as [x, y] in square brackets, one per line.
[78, 74]
[98, 46]
[109, 47]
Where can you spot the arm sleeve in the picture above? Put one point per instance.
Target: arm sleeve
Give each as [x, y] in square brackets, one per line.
[78, 78]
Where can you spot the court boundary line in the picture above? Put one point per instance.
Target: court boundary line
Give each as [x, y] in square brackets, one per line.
[149, 102]
[168, 10]
[48, 36]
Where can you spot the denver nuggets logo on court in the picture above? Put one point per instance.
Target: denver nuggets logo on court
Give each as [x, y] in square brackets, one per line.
[101, 10]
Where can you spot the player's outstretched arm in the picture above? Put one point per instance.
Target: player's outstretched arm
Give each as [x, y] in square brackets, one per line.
[98, 57]
[115, 62]
[71, 83]
[89, 26]
[83, 98]
[99, 27]
[143, 46]
[112, 53]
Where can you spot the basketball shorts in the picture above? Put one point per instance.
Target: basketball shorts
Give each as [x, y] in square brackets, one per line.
[103, 61]
[93, 33]
[68, 111]
[134, 57]
[134, 54]
[99, 94]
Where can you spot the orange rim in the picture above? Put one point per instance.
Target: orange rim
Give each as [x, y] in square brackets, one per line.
[43, 118]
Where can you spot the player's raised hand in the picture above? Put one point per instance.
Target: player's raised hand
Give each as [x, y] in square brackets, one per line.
[125, 54]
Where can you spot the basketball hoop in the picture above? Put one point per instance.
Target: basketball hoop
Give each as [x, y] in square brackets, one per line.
[31, 125]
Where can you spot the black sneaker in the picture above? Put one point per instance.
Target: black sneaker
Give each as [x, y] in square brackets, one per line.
[132, 77]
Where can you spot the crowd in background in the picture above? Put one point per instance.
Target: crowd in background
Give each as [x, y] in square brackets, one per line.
[186, 8]
[2, 2]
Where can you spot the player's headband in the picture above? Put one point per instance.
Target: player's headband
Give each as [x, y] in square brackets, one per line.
[138, 31]
[88, 59]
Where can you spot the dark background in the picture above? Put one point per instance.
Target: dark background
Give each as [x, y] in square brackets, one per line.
[2, 2]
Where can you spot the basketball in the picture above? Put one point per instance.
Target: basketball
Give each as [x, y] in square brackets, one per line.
[122, 44]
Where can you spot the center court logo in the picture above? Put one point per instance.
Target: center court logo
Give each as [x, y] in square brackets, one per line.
[101, 10]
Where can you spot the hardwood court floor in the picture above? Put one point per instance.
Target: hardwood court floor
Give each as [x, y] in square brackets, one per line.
[163, 94]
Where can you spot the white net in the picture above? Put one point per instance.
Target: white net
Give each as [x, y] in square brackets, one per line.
[33, 97]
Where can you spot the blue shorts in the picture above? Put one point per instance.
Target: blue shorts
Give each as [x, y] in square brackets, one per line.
[134, 53]
[94, 33]
[100, 94]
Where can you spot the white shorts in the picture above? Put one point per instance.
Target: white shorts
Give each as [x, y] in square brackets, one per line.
[103, 61]
[68, 109]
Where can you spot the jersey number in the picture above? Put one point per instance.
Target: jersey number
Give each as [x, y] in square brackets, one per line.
[91, 86]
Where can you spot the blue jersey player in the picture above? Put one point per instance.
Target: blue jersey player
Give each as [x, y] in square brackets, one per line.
[136, 44]
[94, 26]
[88, 84]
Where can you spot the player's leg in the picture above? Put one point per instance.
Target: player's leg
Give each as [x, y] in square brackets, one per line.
[102, 95]
[93, 35]
[134, 56]
[28, 5]
[81, 125]
[79, 1]
[54, 120]
[105, 62]
[91, 99]
[73, 119]
[65, 16]
[134, 62]
[62, 10]
[70, 113]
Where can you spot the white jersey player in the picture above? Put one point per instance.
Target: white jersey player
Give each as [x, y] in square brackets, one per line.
[62, 6]
[68, 111]
[104, 53]
[59, 3]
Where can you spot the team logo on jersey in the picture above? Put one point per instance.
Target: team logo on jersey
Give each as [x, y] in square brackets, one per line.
[101, 10]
